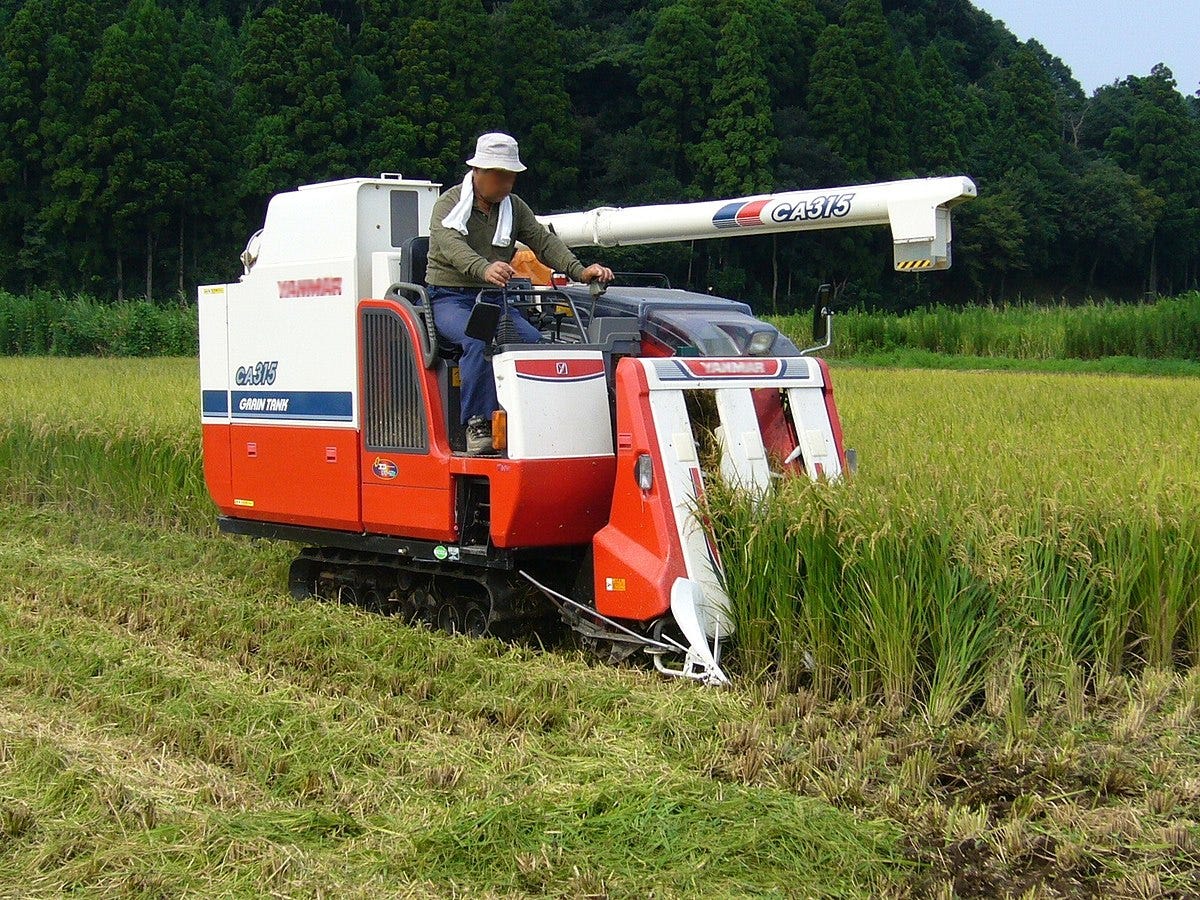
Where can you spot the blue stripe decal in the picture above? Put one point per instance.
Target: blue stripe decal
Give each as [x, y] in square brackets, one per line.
[214, 403]
[726, 216]
[324, 405]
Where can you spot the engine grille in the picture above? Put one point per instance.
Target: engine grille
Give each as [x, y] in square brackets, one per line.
[393, 405]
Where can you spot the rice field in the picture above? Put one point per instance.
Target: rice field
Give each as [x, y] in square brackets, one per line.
[969, 671]
[1009, 538]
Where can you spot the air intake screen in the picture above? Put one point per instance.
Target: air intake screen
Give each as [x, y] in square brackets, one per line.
[393, 404]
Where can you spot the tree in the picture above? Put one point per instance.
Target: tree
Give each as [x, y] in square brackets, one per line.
[202, 140]
[910, 108]
[1113, 219]
[295, 70]
[200, 149]
[938, 151]
[869, 39]
[539, 108]
[838, 103]
[164, 152]
[675, 87]
[449, 95]
[1027, 121]
[989, 236]
[787, 33]
[738, 151]
[122, 174]
[1161, 144]
[47, 48]
[1068, 93]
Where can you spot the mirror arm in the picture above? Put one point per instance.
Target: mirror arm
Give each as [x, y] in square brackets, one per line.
[827, 313]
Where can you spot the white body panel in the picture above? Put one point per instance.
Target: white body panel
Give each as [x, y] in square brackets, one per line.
[917, 209]
[557, 403]
[743, 456]
[305, 383]
[685, 485]
[281, 343]
[214, 354]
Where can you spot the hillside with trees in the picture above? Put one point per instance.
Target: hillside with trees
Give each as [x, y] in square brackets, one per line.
[140, 141]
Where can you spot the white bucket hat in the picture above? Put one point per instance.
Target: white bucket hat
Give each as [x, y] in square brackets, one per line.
[496, 150]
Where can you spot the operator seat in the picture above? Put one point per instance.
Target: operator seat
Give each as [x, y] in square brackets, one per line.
[414, 256]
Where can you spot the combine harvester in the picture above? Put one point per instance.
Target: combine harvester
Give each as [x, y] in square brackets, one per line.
[333, 421]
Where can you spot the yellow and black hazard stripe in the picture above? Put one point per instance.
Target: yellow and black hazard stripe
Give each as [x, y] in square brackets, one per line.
[909, 265]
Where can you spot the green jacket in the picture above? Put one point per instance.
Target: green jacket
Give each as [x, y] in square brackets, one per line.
[457, 260]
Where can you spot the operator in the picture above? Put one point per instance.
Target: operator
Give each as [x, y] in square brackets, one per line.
[472, 240]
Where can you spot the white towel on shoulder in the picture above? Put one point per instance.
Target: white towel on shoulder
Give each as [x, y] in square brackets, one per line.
[457, 219]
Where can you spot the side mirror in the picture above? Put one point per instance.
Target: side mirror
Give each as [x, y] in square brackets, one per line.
[820, 311]
[485, 317]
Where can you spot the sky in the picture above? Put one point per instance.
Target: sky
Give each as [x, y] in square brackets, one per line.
[1102, 41]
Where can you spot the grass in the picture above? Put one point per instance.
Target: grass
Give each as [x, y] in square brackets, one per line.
[1160, 338]
[975, 676]
[212, 736]
[1112, 365]
[1168, 329]
[59, 324]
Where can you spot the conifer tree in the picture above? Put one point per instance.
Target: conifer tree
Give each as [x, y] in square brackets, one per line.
[47, 48]
[737, 153]
[448, 71]
[1025, 114]
[869, 39]
[291, 98]
[675, 87]
[942, 120]
[123, 169]
[838, 104]
[539, 108]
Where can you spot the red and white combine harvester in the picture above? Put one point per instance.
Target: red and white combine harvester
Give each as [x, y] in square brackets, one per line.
[331, 415]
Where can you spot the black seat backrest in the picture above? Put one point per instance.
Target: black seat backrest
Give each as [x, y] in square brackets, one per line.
[413, 257]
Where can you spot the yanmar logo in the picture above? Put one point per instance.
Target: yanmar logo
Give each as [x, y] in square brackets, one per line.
[310, 287]
[719, 368]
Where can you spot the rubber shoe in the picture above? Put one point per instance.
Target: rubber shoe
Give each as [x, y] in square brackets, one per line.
[479, 437]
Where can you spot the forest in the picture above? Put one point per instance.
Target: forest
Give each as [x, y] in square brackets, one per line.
[141, 141]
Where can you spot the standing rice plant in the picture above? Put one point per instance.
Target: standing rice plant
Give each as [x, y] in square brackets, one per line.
[109, 436]
[884, 591]
[759, 568]
[1059, 598]
[1119, 551]
[818, 640]
[987, 550]
[135, 474]
[964, 563]
[963, 634]
[1166, 592]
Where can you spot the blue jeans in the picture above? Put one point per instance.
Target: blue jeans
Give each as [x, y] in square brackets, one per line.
[451, 310]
